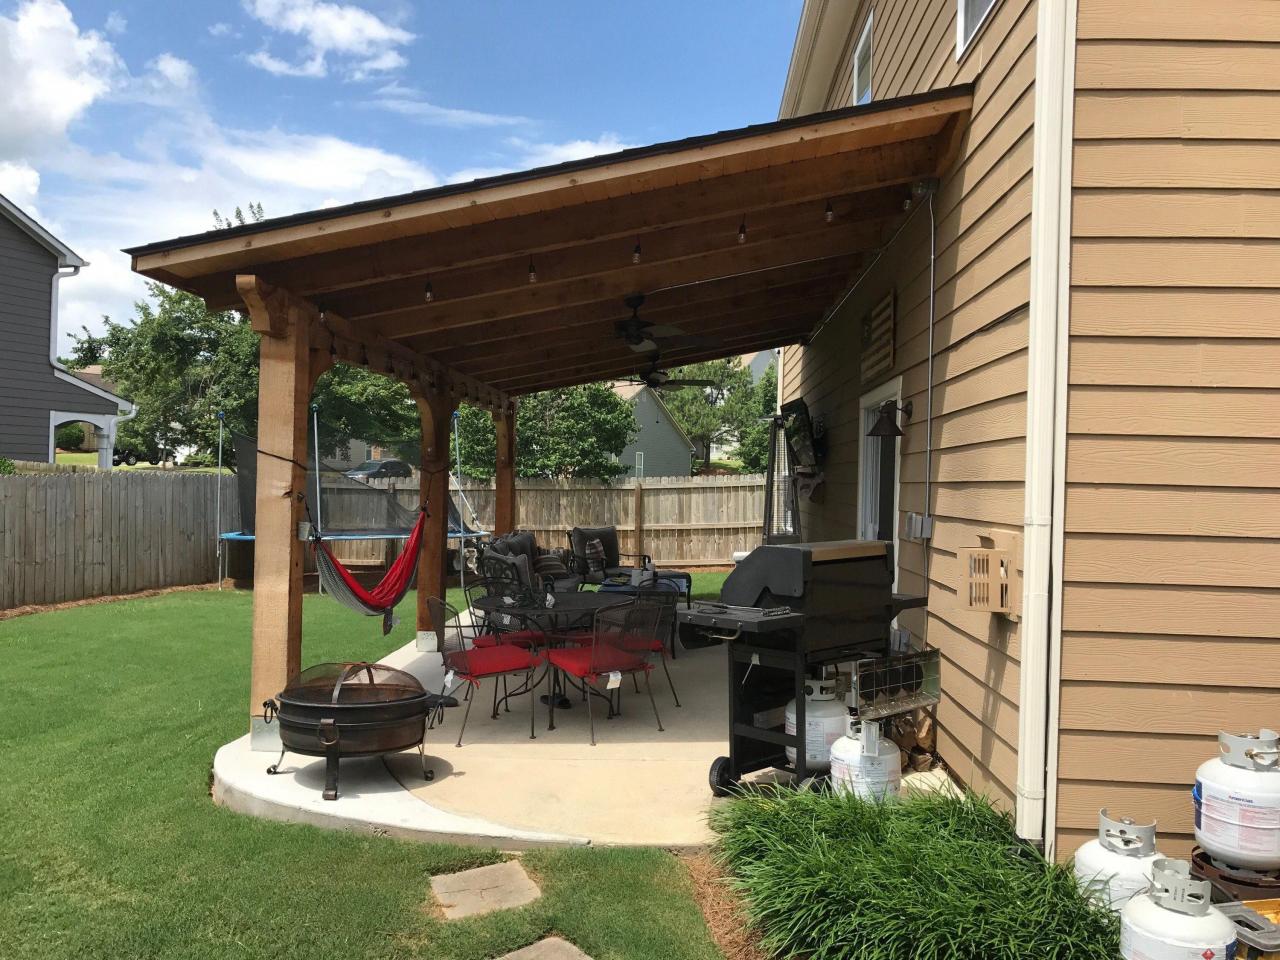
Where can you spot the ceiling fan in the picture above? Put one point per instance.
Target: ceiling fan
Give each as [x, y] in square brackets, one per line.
[638, 334]
[655, 378]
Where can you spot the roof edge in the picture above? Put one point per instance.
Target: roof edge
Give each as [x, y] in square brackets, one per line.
[66, 256]
[537, 173]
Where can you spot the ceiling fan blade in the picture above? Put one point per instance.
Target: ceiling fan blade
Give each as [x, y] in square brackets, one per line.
[663, 330]
[644, 346]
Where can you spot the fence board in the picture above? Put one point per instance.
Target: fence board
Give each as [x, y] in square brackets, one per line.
[73, 534]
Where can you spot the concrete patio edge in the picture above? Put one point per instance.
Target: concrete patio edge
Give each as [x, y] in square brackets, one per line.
[378, 803]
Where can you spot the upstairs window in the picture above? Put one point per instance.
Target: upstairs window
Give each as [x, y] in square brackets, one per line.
[970, 15]
[862, 65]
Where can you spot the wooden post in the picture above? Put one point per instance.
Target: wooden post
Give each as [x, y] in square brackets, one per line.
[435, 410]
[504, 510]
[284, 389]
[637, 509]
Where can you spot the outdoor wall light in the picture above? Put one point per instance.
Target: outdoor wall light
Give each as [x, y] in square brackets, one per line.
[886, 424]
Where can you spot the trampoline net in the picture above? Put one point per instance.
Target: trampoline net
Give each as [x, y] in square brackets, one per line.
[346, 506]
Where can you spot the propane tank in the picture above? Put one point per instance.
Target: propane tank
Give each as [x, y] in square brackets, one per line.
[1175, 920]
[1237, 801]
[825, 720]
[1116, 867]
[864, 764]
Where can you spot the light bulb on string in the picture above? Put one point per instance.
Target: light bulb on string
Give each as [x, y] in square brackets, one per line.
[829, 214]
[533, 272]
[742, 231]
[635, 254]
[427, 293]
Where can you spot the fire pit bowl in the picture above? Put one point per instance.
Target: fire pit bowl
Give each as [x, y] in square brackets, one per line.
[336, 710]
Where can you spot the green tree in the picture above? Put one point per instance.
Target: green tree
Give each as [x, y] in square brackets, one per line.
[753, 441]
[568, 432]
[86, 350]
[69, 436]
[182, 363]
[715, 413]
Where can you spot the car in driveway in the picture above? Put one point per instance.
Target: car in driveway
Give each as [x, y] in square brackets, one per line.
[381, 470]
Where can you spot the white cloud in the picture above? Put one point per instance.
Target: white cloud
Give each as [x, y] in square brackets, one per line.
[178, 72]
[545, 154]
[50, 73]
[364, 42]
[408, 102]
[20, 182]
[221, 29]
[116, 23]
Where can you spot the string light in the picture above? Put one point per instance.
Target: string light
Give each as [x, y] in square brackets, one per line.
[533, 272]
[427, 294]
[829, 214]
[635, 254]
[742, 231]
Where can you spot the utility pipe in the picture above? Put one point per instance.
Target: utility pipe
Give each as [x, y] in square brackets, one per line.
[1046, 415]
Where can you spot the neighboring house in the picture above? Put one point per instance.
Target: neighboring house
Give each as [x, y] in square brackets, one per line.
[1106, 368]
[37, 394]
[660, 448]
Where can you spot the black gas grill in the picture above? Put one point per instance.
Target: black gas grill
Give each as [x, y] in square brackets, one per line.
[785, 611]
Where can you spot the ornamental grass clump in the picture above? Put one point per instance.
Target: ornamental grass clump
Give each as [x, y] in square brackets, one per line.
[831, 877]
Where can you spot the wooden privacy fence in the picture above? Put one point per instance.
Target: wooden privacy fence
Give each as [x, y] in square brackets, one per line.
[679, 521]
[71, 535]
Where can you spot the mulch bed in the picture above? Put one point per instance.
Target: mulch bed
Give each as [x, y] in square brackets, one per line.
[721, 909]
[109, 598]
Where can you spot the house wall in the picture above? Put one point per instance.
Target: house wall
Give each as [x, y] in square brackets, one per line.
[983, 214]
[666, 452]
[1171, 597]
[28, 387]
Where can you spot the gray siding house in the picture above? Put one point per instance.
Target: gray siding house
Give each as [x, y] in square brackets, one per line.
[660, 448]
[36, 392]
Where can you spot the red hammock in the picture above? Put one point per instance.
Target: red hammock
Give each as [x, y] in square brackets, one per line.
[382, 599]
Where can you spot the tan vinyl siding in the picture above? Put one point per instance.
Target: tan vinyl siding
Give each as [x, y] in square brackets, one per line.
[982, 287]
[1171, 597]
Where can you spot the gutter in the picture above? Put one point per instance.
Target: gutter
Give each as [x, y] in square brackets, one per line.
[1035, 808]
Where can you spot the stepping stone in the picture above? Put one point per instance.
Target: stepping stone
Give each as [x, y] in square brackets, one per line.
[499, 886]
[552, 948]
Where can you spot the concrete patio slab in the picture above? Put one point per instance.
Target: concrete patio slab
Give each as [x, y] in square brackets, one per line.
[552, 948]
[470, 893]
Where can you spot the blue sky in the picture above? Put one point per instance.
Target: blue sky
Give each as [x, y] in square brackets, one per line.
[127, 121]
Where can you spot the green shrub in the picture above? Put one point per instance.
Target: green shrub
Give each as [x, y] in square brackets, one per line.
[830, 877]
[69, 436]
[7, 469]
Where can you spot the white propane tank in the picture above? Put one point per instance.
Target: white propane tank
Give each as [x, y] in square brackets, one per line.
[825, 720]
[1175, 920]
[1237, 801]
[864, 764]
[1116, 867]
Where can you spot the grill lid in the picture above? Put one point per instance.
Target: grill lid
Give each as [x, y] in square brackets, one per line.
[352, 682]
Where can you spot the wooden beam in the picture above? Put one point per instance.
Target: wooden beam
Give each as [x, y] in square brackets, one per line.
[284, 390]
[839, 242]
[609, 347]
[453, 287]
[671, 306]
[268, 306]
[360, 347]
[435, 411]
[613, 370]
[504, 423]
[650, 217]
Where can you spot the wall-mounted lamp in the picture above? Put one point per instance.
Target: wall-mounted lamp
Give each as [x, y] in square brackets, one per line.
[886, 424]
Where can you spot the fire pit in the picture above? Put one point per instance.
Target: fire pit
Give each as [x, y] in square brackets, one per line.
[336, 710]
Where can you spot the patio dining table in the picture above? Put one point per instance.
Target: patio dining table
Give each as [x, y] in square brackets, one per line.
[570, 610]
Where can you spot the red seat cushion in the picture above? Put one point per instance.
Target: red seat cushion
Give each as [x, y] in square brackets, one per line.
[591, 661]
[517, 638]
[491, 661]
[638, 642]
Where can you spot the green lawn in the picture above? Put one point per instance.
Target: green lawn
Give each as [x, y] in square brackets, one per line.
[111, 847]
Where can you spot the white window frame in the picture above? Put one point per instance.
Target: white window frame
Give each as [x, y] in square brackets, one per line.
[864, 46]
[639, 464]
[868, 480]
[962, 45]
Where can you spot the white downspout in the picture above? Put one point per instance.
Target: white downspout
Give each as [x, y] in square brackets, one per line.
[1046, 414]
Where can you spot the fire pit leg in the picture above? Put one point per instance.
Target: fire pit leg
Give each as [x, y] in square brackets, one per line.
[328, 734]
[275, 767]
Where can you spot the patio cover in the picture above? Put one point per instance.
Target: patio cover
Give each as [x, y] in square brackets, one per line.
[578, 225]
[480, 292]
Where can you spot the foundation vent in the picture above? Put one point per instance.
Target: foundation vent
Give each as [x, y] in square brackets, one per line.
[992, 575]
